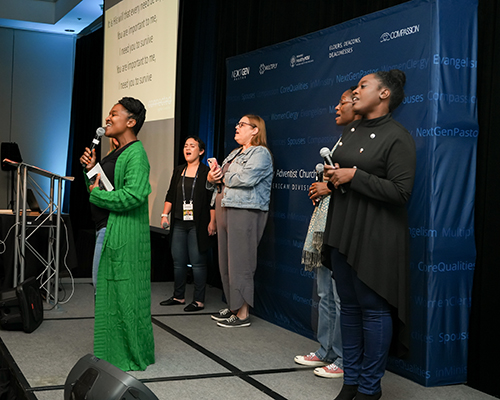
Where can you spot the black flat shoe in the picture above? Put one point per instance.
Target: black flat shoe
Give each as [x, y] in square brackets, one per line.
[170, 302]
[193, 307]
[363, 396]
[348, 392]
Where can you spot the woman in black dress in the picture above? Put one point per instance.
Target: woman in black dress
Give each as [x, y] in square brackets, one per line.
[367, 231]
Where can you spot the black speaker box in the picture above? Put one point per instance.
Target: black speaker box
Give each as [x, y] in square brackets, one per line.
[94, 379]
[11, 151]
[21, 308]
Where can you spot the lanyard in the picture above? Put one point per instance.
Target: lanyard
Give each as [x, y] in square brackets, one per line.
[192, 187]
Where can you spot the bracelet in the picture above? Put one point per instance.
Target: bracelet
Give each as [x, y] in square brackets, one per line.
[164, 215]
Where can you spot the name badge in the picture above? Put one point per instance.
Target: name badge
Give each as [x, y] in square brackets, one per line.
[187, 211]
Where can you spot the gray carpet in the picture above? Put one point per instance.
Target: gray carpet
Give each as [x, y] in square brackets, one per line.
[195, 359]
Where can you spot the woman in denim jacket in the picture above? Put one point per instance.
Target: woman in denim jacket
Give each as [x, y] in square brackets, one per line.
[242, 190]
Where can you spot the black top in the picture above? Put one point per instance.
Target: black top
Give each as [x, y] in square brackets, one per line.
[368, 223]
[201, 202]
[100, 215]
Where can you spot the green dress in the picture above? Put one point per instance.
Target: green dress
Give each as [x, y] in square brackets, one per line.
[123, 331]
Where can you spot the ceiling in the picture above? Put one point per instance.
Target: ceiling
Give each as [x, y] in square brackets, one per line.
[68, 17]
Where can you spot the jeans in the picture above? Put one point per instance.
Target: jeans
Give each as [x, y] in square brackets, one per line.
[366, 324]
[329, 335]
[185, 251]
[97, 254]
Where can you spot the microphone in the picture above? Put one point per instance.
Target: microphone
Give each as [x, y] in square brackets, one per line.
[325, 153]
[97, 138]
[319, 172]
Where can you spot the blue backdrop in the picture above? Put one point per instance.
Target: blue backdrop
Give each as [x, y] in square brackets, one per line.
[295, 87]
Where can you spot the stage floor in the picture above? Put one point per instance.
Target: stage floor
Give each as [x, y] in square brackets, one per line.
[195, 359]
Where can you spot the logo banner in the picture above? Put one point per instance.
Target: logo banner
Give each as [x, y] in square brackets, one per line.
[295, 86]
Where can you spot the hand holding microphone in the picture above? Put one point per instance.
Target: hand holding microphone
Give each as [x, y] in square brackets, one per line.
[88, 159]
[325, 153]
[319, 172]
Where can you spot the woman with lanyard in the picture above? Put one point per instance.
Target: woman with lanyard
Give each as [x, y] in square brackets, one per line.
[192, 223]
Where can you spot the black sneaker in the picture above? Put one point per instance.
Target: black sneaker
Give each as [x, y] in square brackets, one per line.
[222, 315]
[234, 322]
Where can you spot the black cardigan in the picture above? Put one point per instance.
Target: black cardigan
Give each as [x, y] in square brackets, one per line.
[201, 204]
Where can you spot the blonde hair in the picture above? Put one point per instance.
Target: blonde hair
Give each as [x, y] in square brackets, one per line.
[260, 139]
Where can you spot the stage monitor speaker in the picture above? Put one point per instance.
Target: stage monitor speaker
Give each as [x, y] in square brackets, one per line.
[21, 308]
[11, 151]
[94, 379]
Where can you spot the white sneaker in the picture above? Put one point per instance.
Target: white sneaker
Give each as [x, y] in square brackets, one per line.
[330, 371]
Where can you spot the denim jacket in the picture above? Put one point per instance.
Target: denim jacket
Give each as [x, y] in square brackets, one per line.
[247, 182]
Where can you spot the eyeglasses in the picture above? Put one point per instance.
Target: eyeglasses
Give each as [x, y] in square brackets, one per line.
[240, 125]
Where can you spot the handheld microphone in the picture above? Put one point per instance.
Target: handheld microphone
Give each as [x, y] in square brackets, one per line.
[325, 153]
[319, 172]
[97, 138]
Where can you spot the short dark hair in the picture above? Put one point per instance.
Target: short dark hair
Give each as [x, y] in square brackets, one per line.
[136, 111]
[394, 80]
[201, 144]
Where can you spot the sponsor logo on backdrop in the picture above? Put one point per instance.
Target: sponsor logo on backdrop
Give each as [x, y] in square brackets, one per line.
[305, 300]
[294, 115]
[409, 367]
[397, 34]
[451, 98]
[447, 266]
[422, 232]
[291, 215]
[242, 73]
[263, 68]
[342, 48]
[451, 371]
[312, 140]
[453, 301]
[300, 59]
[414, 98]
[294, 87]
[354, 75]
[457, 63]
[412, 63]
[322, 82]
[451, 337]
[438, 131]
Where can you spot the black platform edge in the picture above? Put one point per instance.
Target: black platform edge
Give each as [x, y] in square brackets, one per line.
[15, 381]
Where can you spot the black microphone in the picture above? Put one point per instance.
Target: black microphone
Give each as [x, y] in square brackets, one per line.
[319, 172]
[325, 153]
[97, 138]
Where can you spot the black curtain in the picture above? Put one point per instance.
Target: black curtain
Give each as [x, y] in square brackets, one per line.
[484, 342]
[85, 119]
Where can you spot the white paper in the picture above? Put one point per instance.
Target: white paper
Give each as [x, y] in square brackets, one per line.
[104, 182]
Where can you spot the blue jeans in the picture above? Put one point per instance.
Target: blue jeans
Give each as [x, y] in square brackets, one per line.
[185, 251]
[99, 240]
[366, 324]
[329, 335]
